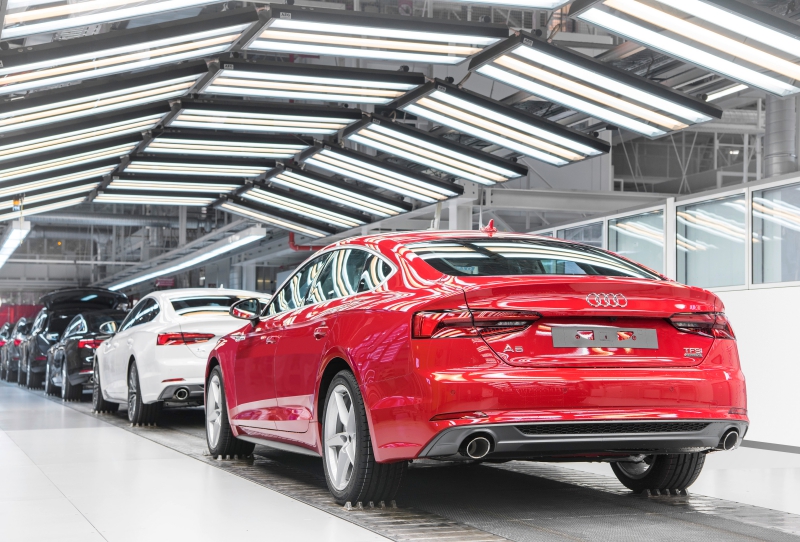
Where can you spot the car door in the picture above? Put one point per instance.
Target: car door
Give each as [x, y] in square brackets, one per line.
[254, 380]
[114, 368]
[305, 338]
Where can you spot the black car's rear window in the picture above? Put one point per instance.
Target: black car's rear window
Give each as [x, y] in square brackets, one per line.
[520, 257]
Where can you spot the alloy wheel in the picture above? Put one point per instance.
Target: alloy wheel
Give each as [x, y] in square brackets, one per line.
[133, 390]
[214, 410]
[64, 380]
[340, 437]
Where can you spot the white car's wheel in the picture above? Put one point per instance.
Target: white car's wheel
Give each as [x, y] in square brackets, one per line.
[99, 404]
[351, 471]
[221, 442]
[140, 413]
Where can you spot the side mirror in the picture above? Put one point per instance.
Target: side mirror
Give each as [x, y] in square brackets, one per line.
[247, 309]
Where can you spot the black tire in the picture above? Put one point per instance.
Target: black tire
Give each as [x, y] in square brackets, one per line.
[140, 413]
[216, 408]
[99, 404]
[33, 380]
[20, 375]
[370, 481]
[49, 387]
[661, 472]
[69, 391]
[2, 371]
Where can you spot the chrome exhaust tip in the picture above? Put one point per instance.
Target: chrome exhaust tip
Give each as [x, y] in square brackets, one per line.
[730, 440]
[477, 447]
[181, 394]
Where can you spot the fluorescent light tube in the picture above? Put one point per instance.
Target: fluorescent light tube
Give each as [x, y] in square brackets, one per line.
[176, 168]
[41, 209]
[167, 186]
[138, 199]
[301, 208]
[253, 122]
[21, 188]
[69, 161]
[47, 196]
[231, 243]
[247, 212]
[726, 92]
[15, 233]
[244, 149]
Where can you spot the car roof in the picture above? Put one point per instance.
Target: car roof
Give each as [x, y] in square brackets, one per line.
[403, 238]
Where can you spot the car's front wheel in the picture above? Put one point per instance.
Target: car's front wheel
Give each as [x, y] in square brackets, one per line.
[351, 471]
[99, 404]
[661, 472]
[69, 392]
[221, 442]
[140, 413]
[49, 387]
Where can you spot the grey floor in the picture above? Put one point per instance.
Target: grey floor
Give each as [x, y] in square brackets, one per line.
[66, 474]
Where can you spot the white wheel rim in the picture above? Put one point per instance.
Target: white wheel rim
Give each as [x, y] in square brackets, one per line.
[64, 379]
[340, 437]
[214, 411]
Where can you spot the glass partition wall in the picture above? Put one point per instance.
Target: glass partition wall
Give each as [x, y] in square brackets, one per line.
[739, 239]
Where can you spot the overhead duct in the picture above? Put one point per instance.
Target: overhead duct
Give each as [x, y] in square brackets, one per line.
[780, 142]
[108, 219]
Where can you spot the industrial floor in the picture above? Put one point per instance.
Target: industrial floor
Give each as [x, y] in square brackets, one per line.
[69, 475]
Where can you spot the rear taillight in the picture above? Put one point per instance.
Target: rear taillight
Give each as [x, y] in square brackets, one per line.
[464, 323]
[89, 343]
[2, 342]
[17, 342]
[707, 324]
[41, 358]
[169, 339]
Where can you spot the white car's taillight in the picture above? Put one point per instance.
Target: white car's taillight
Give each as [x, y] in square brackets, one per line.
[169, 339]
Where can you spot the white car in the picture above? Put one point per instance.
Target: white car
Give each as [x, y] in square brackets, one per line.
[159, 354]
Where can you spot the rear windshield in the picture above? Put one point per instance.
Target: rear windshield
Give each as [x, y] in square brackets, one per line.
[211, 304]
[519, 257]
[59, 321]
[105, 323]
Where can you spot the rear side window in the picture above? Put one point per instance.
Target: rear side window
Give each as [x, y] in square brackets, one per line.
[216, 304]
[521, 257]
[294, 292]
[340, 277]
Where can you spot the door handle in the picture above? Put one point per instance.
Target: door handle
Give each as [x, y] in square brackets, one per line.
[270, 340]
[320, 332]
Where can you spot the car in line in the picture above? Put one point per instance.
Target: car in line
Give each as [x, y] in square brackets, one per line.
[70, 362]
[158, 355]
[5, 334]
[478, 346]
[59, 308]
[12, 350]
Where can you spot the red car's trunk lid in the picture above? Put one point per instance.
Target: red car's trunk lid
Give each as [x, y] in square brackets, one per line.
[594, 321]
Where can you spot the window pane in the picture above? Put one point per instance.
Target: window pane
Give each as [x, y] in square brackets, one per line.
[293, 294]
[210, 304]
[640, 238]
[711, 237]
[776, 235]
[375, 272]
[340, 277]
[590, 234]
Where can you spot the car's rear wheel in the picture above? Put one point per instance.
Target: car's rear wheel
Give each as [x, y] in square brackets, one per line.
[221, 442]
[2, 371]
[140, 413]
[69, 392]
[32, 380]
[351, 471]
[661, 472]
[99, 404]
[20, 375]
[49, 387]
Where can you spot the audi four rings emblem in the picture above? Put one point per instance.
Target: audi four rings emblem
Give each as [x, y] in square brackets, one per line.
[607, 300]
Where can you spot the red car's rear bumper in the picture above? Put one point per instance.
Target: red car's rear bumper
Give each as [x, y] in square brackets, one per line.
[502, 400]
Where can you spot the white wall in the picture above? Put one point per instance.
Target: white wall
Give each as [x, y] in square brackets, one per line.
[767, 328]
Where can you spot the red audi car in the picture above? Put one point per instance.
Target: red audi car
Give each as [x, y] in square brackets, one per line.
[478, 346]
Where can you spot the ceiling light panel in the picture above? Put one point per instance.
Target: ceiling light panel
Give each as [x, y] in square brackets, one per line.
[59, 62]
[417, 146]
[82, 156]
[29, 17]
[53, 206]
[525, 4]
[505, 126]
[216, 144]
[166, 184]
[336, 191]
[209, 167]
[48, 182]
[274, 218]
[264, 118]
[139, 198]
[580, 83]
[360, 167]
[133, 122]
[731, 39]
[284, 201]
[294, 30]
[283, 80]
[30, 199]
[98, 97]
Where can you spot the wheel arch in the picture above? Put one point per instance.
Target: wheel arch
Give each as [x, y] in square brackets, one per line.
[329, 370]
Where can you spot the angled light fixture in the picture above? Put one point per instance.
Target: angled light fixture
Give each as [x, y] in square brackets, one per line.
[287, 81]
[500, 124]
[294, 30]
[52, 206]
[339, 192]
[59, 62]
[726, 92]
[525, 4]
[45, 140]
[360, 167]
[279, 219]
[98, 97]
[149, 198]
[303, 206]
[147, 183]
[65, 177]
[15, 233]
[263, 117]
[717, 35]
[206, 143]
[208, 167]
[48, 195]
[224, 246]
[597, 89]
[67, 158]
[26, 17]
[382, 134]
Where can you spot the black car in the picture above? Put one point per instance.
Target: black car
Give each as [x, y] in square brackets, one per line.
[70, 362]
[5, 333]
[11, 350]
[60, 307]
